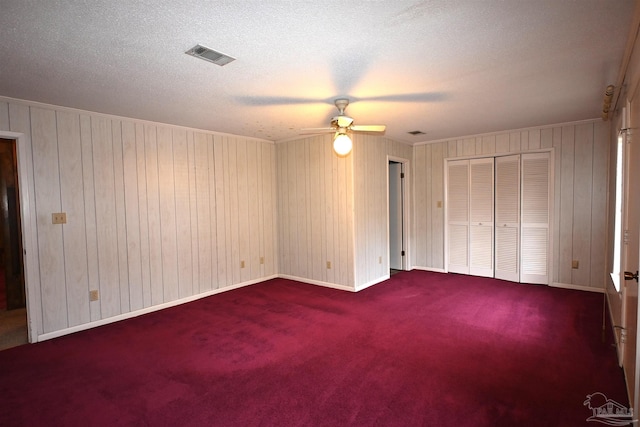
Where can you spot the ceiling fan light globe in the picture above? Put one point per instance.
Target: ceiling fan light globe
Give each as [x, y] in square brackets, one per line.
[342, 144]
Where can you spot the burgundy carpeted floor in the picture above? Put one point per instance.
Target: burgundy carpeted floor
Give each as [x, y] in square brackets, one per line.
[421, 349]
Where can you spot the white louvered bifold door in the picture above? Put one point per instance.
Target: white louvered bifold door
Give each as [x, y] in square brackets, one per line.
[534, 221]
[481, 217]
[507, 241]
[457, 204]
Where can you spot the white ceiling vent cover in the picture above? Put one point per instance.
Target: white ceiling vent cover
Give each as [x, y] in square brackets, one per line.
[210, 55]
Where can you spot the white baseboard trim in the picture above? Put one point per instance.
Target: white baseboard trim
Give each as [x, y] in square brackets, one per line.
[132, 314]
[435, 270]
[373, 282]
[576, 287]
[317, 282]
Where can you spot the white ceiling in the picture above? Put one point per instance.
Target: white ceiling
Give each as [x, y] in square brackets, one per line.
[447, 68]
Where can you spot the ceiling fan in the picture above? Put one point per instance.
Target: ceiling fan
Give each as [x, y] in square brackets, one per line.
[342, 125]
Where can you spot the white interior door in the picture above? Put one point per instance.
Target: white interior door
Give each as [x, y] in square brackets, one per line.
[395, 216]
[457, 204]
[481, 217]
[507, 239]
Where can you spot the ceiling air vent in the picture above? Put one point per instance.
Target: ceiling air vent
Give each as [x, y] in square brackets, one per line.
[210, 55]
[416, 132]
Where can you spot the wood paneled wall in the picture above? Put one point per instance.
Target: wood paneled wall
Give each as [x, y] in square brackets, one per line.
[155, 213]
[315, 212]
[581, 153]
[334, 209]
[371, 167]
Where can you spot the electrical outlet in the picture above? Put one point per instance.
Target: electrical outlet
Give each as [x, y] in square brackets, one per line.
[379, 260]
[94, 295]
[59, 218]
[241, 264]
[261, 260]
[439, 203]
[575, 263]
[328, 265]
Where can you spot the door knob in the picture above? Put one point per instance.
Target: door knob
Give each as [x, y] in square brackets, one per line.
[630, 276]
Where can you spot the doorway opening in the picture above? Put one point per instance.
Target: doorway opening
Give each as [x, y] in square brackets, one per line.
[13, 315]
[397, 211]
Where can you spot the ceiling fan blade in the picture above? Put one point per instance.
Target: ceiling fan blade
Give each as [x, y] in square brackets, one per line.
[307, 131]
[278, 100]
[368, 128]
[406, 97]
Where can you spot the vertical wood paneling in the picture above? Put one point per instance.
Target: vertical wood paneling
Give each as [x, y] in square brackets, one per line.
[316, 199]
[90, 213]
[317, 216]
[221, 213]
[121, 232]
[132, 215]
[253, 217]
[429, 206]
[243, 229]
[489, 144]
[201, 142]
[557, 194]
[583, 169]
[50, 239]
[72, 200]
[452, 149]
[234, 238]
[437, 222]
[331, 209]
[194, 284]
[502, 143]
[420, 211]
[283, 212]
[182, 213]
[167, 210]
[302, 212]
[154, 215]
[524, 141]
[292, 208]
[106, 226]
[546, 138]
[343, 238]
[231, 238]
[265, 218]
[566, 203]
[514, 142]
[534, 139]
[143, 205]
[215, 242]
[468, 147]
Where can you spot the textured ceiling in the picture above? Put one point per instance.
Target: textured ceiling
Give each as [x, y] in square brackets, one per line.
[447, 68]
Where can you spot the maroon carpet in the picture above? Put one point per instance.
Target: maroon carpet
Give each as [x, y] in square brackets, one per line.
[422, 349]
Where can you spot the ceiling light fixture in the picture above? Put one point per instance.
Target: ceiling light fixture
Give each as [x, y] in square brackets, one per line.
[342, 144]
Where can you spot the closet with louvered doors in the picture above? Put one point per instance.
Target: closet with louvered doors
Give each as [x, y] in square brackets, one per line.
[498, 216]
